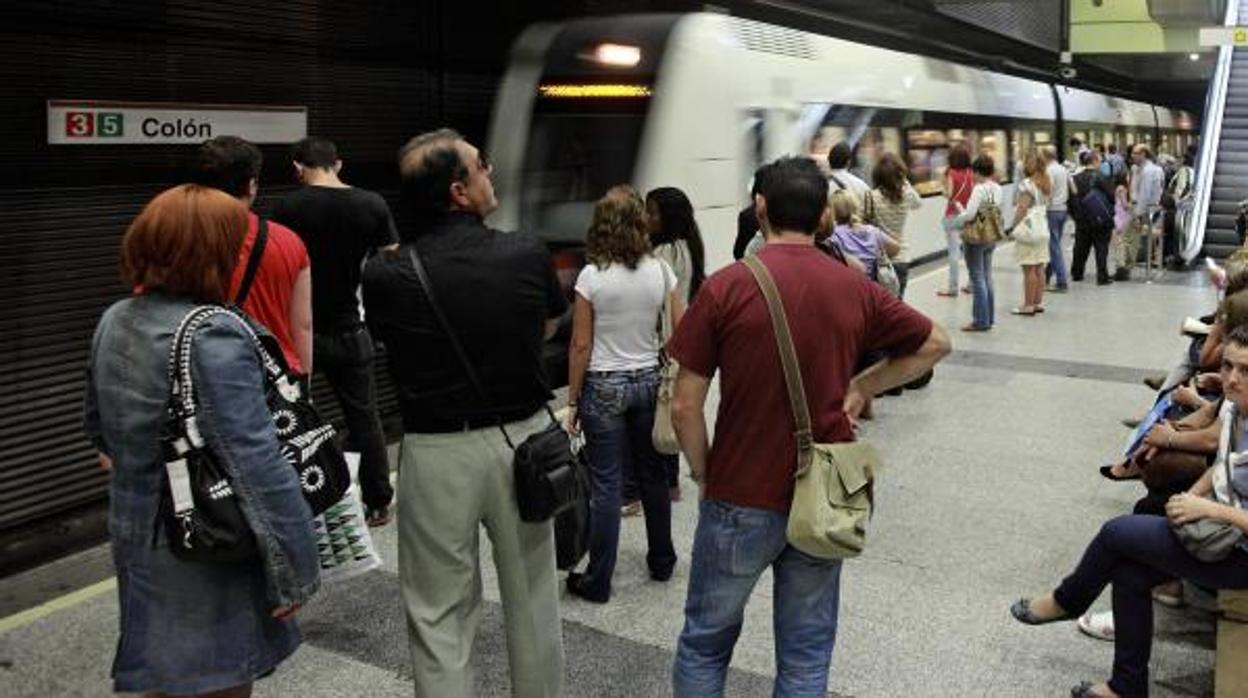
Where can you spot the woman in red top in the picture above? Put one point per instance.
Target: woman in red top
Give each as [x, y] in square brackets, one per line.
[959, 180]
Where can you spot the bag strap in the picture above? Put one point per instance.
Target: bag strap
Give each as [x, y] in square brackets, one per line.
[181, 382]
[427, 285]
[788, 361]
[868, 206]
[253, 260]
[840, 186]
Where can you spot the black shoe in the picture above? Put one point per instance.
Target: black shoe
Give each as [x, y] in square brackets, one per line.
[1084, 690]
[1076, 278]
[576, 587]
[1104, 282]
[661, 576]
[1021, 610]
[1107, 471]
[1131, 423]
[1155, 382]
[1122, 275]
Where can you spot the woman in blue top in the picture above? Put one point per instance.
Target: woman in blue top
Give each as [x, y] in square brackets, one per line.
[1136, 553]
[193, 627]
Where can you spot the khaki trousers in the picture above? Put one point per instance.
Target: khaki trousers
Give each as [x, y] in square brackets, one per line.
[449, 486]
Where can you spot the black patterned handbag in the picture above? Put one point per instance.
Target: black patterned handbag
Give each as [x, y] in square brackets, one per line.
[200, 508]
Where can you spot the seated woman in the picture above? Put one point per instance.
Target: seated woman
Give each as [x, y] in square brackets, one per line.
[1137, 552]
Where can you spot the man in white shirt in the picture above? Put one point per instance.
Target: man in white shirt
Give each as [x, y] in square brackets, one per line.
[1147, 182]
[1063, 187]
[839, 160]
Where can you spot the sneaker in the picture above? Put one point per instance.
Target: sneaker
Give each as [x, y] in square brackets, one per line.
[1097, 625]
[1058, 289]
[632, 508]
[1168, 600]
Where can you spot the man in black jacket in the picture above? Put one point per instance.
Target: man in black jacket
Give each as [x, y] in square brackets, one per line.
[499, 295]
[1094, 219]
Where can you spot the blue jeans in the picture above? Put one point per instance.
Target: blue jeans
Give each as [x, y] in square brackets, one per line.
[1057, 263]
[953, 243]
[731, 548]
[979, 266]
[617, 415]
[1137, 553]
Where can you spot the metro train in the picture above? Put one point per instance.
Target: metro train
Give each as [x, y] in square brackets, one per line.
[700, 100]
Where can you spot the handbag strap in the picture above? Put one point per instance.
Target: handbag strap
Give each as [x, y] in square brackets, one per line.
[253, 260]
[427, 285]
[788, 361]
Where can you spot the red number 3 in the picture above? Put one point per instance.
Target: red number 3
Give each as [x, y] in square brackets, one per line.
[79, 124]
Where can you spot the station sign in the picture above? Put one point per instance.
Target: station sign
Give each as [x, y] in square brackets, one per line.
[85, 122]
[1224, 36]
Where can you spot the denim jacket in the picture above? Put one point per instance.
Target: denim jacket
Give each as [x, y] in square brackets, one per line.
[125, 412]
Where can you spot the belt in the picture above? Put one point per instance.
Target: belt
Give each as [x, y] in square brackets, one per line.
[429, 424]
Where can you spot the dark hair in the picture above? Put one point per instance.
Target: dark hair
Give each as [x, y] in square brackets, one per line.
[889, 176]
[1075, 142]
[228, 163]
[1113, 147]
[959, 157]
[984, 165]
[840, 156]
[428, 165]
[795, 193]
[1085, 158]
[312, 151]
[617, 232]
[676, 222]
[1238, 336]
[185, 243]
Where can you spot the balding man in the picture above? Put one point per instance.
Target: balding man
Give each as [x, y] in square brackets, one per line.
[500, 297]
[1147, 182]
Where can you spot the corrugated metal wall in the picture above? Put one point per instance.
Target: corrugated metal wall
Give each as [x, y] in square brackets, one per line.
[371, 74]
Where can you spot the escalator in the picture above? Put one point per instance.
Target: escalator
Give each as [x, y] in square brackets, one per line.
[1222, 171]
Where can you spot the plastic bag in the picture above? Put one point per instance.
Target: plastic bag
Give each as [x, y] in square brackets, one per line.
[343, 540]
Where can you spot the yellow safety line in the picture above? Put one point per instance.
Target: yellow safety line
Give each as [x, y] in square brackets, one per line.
[60, 603]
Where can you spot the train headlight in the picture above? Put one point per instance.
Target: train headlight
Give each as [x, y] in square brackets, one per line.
[617, 55]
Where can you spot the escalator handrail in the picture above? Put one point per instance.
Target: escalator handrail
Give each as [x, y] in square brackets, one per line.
[1210, 136]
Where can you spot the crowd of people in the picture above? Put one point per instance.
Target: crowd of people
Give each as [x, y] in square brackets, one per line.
[463, 311]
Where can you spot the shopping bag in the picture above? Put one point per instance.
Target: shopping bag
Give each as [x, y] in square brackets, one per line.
[343, 540]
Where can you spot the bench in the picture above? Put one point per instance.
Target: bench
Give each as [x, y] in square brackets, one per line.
[1231, 672]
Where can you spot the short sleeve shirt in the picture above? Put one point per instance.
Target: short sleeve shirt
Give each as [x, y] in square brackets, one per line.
[340, 226]
[626, 306]
[835, 315]
[272, 290]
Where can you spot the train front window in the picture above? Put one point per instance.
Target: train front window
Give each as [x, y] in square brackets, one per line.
[576, 151]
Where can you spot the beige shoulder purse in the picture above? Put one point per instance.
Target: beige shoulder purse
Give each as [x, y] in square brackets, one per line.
[663, 434]
[832, 497]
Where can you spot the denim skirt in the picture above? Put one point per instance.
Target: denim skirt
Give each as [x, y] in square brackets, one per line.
[189, 627]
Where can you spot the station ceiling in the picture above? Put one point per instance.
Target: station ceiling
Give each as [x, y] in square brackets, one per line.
[1023, 37]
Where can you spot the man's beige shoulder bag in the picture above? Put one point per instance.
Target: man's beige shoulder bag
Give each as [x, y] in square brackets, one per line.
[832, 497]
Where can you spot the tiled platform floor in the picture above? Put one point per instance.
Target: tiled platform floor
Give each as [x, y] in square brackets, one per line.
[990, 493]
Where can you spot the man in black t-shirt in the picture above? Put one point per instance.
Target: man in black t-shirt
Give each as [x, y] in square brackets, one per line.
[500, 297]
[340, 226]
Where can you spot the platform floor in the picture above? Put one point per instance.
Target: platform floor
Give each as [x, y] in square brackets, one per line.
[990, 493]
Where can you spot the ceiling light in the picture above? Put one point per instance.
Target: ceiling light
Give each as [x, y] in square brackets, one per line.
[617, 55]
[1193, 56]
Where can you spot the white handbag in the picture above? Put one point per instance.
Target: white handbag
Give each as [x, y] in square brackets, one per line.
[1034, 228]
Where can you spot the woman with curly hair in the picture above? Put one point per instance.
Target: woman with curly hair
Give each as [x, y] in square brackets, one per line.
[613, 381]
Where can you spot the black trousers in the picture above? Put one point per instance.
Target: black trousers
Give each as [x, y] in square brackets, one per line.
[346, 360]
[1087, 240]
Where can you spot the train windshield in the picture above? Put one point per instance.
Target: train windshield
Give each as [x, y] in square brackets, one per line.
[577, 150]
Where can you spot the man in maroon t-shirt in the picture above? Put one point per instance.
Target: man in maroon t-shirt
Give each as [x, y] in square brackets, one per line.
[835, 315]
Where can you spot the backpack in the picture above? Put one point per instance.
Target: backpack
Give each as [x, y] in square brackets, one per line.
[1095, 208]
